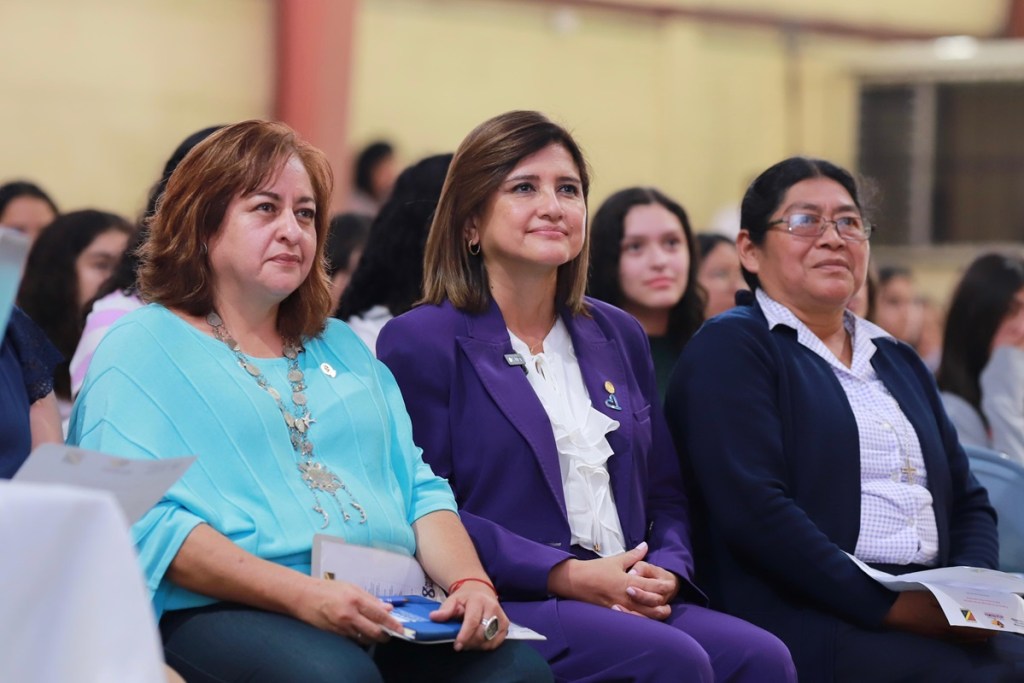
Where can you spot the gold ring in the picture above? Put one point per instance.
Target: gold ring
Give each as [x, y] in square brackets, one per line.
[490, 625]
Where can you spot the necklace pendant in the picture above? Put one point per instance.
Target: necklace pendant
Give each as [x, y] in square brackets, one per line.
[302, 424]
[318, 477]
[362, 512]
[323, 513]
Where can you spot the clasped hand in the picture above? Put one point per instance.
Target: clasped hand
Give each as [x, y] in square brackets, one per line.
[623, 582]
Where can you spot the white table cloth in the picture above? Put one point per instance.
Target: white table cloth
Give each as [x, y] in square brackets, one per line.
[73, 605]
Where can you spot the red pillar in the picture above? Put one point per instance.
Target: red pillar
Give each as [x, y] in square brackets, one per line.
[314, 74]
[1015, 19]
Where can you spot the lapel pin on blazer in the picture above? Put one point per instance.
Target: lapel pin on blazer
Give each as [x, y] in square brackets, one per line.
[611, 401]
[514, 359]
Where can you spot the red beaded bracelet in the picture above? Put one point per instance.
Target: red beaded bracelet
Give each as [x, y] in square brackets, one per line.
[456, 585]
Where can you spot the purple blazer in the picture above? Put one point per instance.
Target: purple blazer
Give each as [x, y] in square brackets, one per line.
[482, 427]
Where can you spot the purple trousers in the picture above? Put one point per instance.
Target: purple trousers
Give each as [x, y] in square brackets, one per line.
[588, 643]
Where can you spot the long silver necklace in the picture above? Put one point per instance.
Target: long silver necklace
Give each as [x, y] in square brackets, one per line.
[316, 475]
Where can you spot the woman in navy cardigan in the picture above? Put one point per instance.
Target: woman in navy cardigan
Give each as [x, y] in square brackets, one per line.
[536, 404]
[810, 433]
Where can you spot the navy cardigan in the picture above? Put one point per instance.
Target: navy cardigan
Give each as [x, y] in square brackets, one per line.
[770, 448]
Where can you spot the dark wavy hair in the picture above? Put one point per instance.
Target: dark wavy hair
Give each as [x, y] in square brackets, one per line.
[766, 193]
[367, 160]
[980, 302]
[390, 272]
[125, 278]
[23, 188]
[607, 230]
[236, 160]
[49, 289]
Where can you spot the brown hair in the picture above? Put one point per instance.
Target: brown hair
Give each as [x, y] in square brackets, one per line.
[235, 161]
[481, 163]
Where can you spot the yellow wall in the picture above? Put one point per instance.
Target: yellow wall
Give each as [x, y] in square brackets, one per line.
[97, 94]
[695, 108]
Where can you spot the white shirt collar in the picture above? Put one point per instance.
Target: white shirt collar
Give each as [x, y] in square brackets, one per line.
[862, 333]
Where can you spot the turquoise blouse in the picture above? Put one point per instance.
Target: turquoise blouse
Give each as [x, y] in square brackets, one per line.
[159, 388]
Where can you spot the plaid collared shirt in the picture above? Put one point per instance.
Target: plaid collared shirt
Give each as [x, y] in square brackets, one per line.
[897, 519]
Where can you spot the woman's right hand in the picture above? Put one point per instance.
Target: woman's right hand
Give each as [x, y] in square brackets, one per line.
[346, 609]
[919, 612]
[602, 581]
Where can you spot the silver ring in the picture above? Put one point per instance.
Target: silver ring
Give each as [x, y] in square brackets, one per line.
[490, 625]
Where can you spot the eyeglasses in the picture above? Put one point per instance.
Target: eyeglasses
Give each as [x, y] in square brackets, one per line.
[850, 228]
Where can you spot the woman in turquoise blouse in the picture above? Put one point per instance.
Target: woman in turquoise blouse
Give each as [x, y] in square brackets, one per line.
[296, 428]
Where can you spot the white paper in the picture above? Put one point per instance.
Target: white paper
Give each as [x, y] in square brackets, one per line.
[379, 572]
[13, 252]
[383, 573]
[136, 484]
[969, 596]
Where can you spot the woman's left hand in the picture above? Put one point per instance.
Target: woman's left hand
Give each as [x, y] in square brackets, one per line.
[475, 603]
[650, 589]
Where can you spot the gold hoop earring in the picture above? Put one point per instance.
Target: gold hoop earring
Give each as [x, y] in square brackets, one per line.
[470, 249]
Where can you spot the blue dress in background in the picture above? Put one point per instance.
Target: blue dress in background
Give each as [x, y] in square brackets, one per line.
[27, 361]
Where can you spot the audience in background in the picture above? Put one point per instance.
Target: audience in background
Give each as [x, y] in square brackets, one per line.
[296, 429]
[25, 207]
[119, 295]
[896, 309]
[28, 407]
[345, 242]
[373, 177]
[67, 265]
[718, 272]
[644, 260]
[811, 434]
[540, 407]
[862, 304]
[388, 278]
[982, 371]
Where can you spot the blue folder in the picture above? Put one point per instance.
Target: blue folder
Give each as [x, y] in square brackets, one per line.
[414, 613]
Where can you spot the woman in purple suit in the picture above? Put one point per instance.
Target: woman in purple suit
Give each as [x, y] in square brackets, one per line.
[539, 406]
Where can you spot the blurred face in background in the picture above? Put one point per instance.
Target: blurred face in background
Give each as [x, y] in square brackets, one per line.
[97, 263]
[1011, 330]
[654, 262]
[28, 215]
[720, 276]
[896, 310]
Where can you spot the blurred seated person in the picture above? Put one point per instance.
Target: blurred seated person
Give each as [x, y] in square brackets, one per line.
[373, 177]
[28, 417]
[718, 272]
[387, 281]
[812, 433]
[863, 302]
[25, 207]
[896, 309]
[297, 430]
[539, 405]
[644, 260]
[119, 295]
[345, 241]
[67, 265]
[982, 371]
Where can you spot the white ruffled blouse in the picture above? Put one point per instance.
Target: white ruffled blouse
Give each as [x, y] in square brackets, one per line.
[579, 431]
